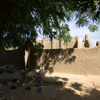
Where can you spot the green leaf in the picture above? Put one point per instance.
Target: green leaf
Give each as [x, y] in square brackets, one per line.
[83, 21]
[93, 28]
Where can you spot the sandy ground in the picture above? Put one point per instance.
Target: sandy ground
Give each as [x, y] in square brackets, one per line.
[73, 87]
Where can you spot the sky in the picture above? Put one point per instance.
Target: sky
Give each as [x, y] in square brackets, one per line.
[81, 32]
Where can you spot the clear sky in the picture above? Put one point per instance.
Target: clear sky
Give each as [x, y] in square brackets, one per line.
[93, 36]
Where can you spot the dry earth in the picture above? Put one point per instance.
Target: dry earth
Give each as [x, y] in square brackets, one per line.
[57, 86]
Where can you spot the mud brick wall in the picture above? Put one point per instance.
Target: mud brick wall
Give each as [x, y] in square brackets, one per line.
[71, 61]
[47, 59]
[14, 57]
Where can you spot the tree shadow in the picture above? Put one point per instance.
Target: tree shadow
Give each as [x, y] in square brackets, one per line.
[55, 80]
[53, 89]
[48, 58]
[50, 91]
[76, 86]
[13, 57]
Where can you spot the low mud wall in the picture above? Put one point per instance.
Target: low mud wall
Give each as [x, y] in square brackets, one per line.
[70, 61]
[13, 57]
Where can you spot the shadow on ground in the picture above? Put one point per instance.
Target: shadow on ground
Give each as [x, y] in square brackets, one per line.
[53, 89]
[49, 92]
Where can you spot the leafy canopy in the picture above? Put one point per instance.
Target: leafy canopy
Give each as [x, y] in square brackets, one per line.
[23, 19]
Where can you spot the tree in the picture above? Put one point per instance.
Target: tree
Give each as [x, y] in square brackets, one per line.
[22, 19]
[87, 13]
[64, 34]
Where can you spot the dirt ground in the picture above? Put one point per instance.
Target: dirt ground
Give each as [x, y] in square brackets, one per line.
[57, 86]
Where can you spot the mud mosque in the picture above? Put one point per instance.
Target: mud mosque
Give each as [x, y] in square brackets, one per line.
[75, 43]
